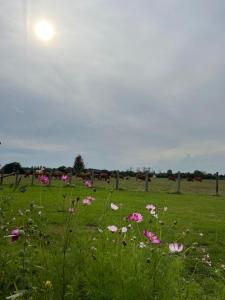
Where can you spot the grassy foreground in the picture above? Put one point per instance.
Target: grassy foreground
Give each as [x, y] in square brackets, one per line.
[62, 255]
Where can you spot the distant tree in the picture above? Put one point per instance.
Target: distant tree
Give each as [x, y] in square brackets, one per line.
[78, 165]
[62, 168]
[12, 167]
[169, 173]
[198, 173]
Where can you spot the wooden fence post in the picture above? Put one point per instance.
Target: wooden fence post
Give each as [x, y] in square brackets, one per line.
[146, 180]
[71, 178]
[217, 183]
[92, 176]
[33, 175]
[1, 178]
[117, 180]
[50, 179]
[178, 182]
[16, 178]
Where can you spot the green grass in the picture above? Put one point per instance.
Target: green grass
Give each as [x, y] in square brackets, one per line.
[100, 265]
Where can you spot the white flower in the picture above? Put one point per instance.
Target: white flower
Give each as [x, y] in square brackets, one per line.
[175, 247]
[150, 207]
[112, 228]
[165, 208]
[124, 229]
[114, 206]
[142, 245]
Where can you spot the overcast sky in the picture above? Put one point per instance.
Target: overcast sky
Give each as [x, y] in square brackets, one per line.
[123, 83]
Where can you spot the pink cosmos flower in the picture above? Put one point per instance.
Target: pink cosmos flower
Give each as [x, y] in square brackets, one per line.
[152, 237]
[136, 217]
[112, 228]
[71, 210]
[88, 183]
[15, 233]
[114, 206]
[86, 201]
[175, 247]
[43, 179]
[65, 178]
[150, 207]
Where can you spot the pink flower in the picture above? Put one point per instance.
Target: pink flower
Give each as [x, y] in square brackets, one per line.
[150, 207]
[112, 228]
[175, 247]
[15, 233]
[43, 179]
[65, 178]
[86, 201]
[152, 237]
[135, 217]
[88, 183]
[71, 210]
[114, 206]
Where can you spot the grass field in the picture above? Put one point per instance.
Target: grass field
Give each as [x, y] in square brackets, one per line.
[74, 256]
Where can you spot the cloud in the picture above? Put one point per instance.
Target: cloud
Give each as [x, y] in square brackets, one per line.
[123, 83]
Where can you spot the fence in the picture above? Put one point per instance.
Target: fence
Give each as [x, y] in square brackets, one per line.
[118, 182]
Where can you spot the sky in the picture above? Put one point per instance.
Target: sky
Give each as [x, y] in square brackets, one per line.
[123, 83]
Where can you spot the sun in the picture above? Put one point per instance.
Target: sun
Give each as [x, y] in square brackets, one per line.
[44, 30]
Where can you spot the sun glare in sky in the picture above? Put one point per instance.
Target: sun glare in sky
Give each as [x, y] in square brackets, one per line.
[44, 30]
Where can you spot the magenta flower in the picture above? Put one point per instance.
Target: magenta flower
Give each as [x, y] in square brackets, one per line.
[15, 233]
[175, 247]
[112, 228]
[151, 237]
[150, 207]
[71, 210]
[88, 183]
[136, 217]
[65, 178]
[43, 179]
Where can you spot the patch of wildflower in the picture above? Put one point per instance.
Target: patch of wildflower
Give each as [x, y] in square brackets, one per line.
[175, 247]
[65, 178]
[114, 206]
[151, 237]
[43, 179]
[88, 183]
[136, 217]
[112, 228]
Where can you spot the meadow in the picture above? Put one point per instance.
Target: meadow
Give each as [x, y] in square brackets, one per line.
[66, 249]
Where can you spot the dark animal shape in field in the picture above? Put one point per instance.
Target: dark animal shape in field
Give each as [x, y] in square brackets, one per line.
[198, 178]
[104, 176]
[173, 178]
[190, 179]
[142, 176]
[27, 174]
[57, 174]
[84, 175]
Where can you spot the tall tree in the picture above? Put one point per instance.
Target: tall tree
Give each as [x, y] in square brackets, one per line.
[78, 165]
[12, 167]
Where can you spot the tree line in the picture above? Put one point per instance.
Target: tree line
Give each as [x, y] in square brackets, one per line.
[79, 166]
